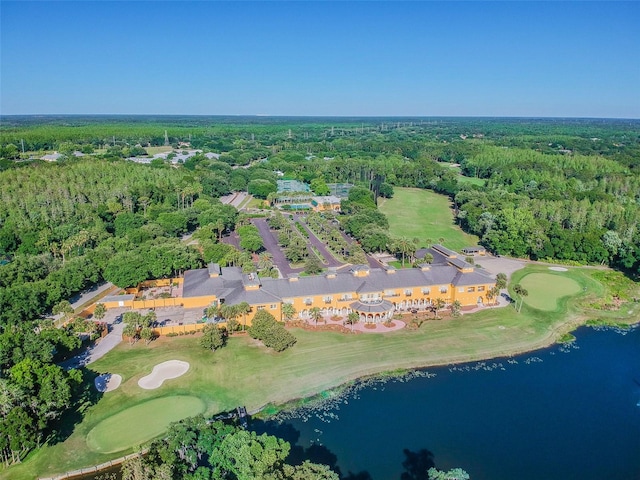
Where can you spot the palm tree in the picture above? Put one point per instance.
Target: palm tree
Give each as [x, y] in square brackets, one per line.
[493, 293]
[130, 330]
[288, 311]
[525, 293]
[100, 311]
[316, 314]
[501, 280]
[265, 261]
[243, 308]
[404, 246]
[456, 307]
[64, 308]
[490, 295]
[352, 319]
[212, 311]
[219, 227]
[439, 305]
[521, 292]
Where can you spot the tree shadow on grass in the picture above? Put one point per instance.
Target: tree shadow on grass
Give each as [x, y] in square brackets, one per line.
[87, 395]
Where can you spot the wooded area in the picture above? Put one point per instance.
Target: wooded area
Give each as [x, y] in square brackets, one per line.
[554, 189]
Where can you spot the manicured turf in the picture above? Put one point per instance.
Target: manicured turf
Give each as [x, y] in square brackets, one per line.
[423, 214]
[471, 180]
[545, 289]
[154, 150]
[245, 373]
[141, 423]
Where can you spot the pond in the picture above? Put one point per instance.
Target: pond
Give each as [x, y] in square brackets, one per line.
[566, 412]
[562, 412]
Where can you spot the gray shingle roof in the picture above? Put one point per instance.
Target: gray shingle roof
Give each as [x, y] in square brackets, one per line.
[458, 263]
[472, 278]
[378, 307]
[230, 285]
[444, 250]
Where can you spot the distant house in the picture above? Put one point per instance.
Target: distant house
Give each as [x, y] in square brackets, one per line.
[52, 157]
[476, 250]
[327, 202]
[176, 157]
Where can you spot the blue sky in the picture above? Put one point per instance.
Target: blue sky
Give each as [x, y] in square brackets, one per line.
[578, 59]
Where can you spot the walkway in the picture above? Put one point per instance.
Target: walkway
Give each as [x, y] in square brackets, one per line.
[360, 326]
[234, 199]
[113, 318]
[330, 261]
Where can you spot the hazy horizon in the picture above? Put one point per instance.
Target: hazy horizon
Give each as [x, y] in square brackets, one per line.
[319, 59]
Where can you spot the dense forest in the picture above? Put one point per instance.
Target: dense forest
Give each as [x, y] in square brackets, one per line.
[545, 189]
[558, 189]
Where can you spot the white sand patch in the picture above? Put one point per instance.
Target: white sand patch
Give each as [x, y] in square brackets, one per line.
[163, 371]
[107, 382]
[558, 269]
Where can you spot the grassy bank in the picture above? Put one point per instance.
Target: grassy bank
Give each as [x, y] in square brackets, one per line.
[423, 214]
[244, 373]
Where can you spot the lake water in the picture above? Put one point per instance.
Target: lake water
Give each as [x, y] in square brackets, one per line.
[559, 413]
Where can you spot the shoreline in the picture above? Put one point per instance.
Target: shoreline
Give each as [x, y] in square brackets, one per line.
[552, 338]
[546, 342]
[298, 402]
[269, 403]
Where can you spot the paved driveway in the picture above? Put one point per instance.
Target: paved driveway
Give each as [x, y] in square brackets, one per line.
[271, 246]
[495, 265]
[329, 260]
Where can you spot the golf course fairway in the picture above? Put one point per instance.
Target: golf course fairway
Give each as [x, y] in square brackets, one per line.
[141, 422]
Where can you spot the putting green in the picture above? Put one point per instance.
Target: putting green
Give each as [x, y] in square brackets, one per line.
[141, 423]
[545, 289]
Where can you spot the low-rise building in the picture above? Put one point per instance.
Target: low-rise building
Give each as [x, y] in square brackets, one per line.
[375, 294]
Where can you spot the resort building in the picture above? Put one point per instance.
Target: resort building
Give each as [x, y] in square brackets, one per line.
[375, 294]
[476, 250]
[305, 201]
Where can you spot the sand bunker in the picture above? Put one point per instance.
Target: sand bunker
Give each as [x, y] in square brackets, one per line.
[558, 269]
[107, 382]
[163, 371]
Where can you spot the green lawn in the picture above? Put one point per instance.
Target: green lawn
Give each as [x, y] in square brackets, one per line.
[245, 373]
[151, 418]
[154, 150]
[546, 289]
[423, 214]
[471, 180]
